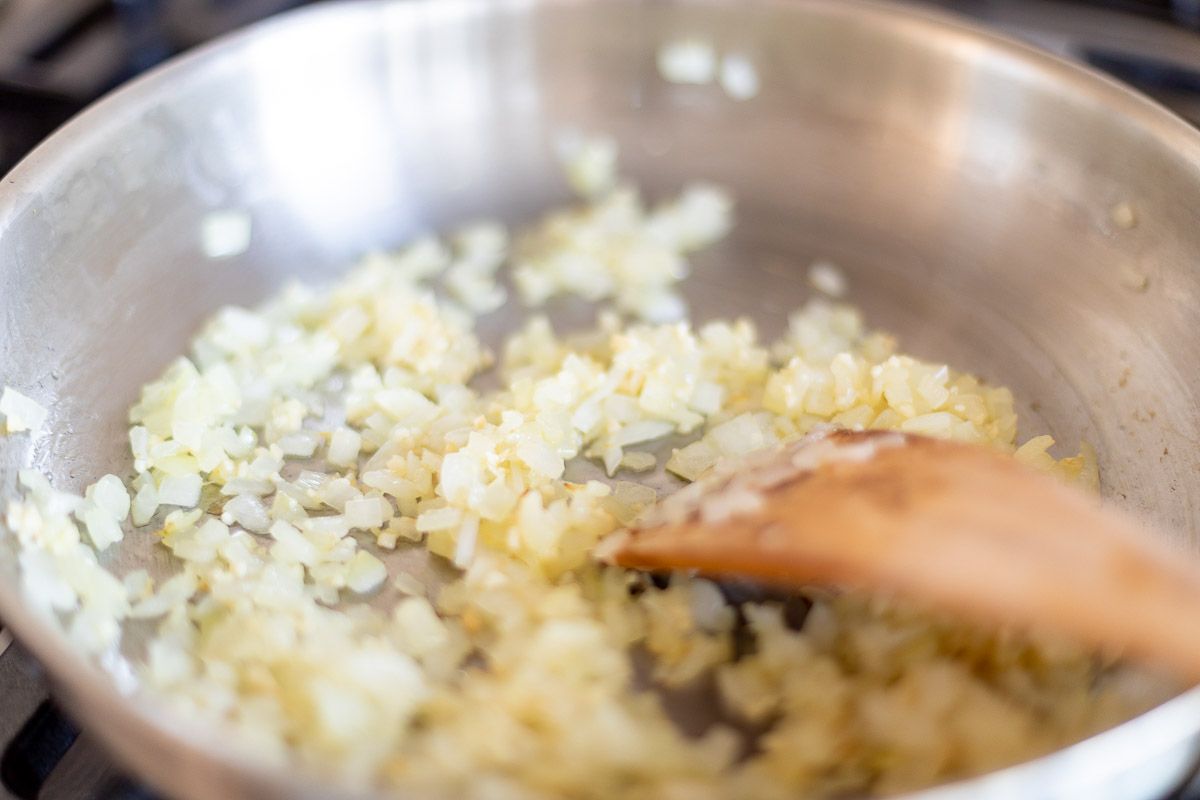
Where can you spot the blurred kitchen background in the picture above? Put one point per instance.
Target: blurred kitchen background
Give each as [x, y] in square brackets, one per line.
[56, 56]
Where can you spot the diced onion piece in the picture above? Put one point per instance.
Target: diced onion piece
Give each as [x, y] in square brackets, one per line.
[541, 458]
[687, 61]
[708, 605]
[248, 511]
[102, 528]
[643, 431]
[738, 77]
[21, 413]
[337, 492]
[404, 528]
[694, 460]
[408, 584]
[635, 461]
[145, 504]
[419, 627]
[138, 585]
[180, 490]
[741, 435]
[628, 500]
[301, 444]
[612, 459]
[827, 279]
[1124, 215]
[344, 445]
[708, 397]
[248, 486]
[110, 495]
[225, 233]
[590, 163]
[367, 512]
[291, 546]
[171, 594]
[366, 573]
[482, 242]
[464, 547]
[439, 519]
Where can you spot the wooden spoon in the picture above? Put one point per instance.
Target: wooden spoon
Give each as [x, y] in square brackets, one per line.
[958, 527]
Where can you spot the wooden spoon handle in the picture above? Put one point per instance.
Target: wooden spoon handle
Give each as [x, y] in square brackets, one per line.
[956, 526]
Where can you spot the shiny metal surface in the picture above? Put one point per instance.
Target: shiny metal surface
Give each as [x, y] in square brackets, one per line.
[962, 181]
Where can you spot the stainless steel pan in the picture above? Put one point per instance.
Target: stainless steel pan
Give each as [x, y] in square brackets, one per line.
[963, 181]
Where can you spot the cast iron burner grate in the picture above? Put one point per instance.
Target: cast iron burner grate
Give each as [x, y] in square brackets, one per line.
[42, 753]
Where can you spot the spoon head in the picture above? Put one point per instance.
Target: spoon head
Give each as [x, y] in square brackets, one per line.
[961, 528]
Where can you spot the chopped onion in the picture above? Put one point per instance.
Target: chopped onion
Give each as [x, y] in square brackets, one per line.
[687, 61]
[464, 548]
[737, 437]
[418, 625]
[145, 504]
[439, 519]
[367, 512]
[344, 445]
[110, 495]
[827, 278]
[248, 511]
[291, 546]
[367, 573]
[21, 413]
[270, 625]
[738, 77]
[694, 460]
[102, 528]
[301, 444]
[638, 432]
[180, 490]
[408, 584]
[224, 234]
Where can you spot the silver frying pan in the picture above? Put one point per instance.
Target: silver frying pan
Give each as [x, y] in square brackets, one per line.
[964, 182]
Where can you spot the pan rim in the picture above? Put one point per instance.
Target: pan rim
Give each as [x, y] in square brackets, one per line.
[75, 677]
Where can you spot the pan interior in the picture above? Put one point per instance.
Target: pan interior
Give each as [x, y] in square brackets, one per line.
[967, 194]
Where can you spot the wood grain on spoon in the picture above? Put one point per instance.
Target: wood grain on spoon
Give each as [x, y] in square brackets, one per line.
[958, 527]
